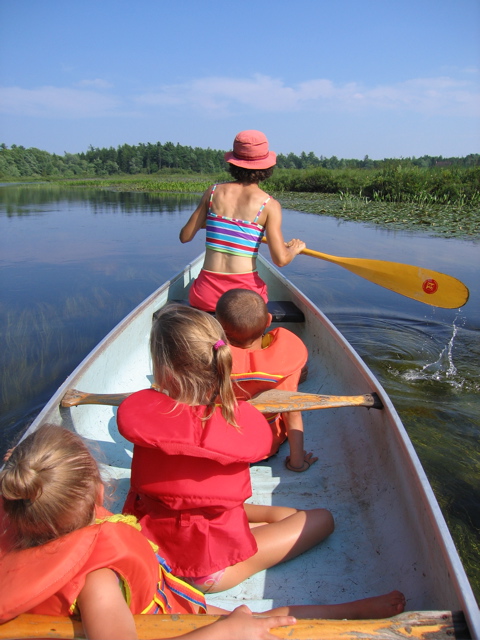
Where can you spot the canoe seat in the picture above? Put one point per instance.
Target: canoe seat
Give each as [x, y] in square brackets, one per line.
[281, 310]
[285, 311]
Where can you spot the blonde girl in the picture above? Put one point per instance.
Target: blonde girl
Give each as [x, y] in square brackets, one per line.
[62, 553]
[193, 446]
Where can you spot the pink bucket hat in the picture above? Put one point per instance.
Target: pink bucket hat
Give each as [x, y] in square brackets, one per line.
[250, 151]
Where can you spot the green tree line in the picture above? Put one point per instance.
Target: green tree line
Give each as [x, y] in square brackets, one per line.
[426, 179]
[18, 162]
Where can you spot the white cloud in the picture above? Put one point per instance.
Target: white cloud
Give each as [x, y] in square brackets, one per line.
[222, 95]
[435, 96]
[57, 102]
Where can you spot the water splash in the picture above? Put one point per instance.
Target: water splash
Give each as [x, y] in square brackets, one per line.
[443, 369]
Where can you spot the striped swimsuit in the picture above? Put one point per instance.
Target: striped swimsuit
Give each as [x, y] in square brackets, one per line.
[233, 236]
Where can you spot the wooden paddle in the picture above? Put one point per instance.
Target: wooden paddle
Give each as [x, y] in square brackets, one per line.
[424, 285]
[272, 401]
[411, 625]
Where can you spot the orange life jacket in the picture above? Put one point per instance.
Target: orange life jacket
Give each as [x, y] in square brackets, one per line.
[48, 579]
[190, 478]
[277, 365]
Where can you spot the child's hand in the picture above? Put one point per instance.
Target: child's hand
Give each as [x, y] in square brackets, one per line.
[295, 245]
[304, 465]
[241, 624]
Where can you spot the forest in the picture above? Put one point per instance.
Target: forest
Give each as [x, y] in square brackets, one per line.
[430, 178]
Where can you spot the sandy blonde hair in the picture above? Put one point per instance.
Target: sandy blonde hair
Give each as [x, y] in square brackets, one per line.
[243, 315]
[49, 486]
[189, 359]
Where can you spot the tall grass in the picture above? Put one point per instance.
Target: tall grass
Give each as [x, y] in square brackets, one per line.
[456, 185]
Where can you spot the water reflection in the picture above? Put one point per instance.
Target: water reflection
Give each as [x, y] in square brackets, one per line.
[75, 262]
[22, 201]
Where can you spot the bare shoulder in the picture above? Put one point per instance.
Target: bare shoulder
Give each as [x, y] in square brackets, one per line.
[273, 211]
[273, 204]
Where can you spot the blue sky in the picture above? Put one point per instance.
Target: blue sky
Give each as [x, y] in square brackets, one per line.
[383, 78]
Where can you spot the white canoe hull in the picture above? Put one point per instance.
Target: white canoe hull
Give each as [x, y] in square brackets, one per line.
[390, 533]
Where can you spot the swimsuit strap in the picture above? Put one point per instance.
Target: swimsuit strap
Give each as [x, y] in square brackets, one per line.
[211, 198]
[261, 209]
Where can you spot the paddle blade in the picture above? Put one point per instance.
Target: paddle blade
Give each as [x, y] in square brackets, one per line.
[427, 286]
[279, 401]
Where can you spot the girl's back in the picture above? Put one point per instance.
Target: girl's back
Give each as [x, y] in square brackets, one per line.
[236, 215]
[240, 201]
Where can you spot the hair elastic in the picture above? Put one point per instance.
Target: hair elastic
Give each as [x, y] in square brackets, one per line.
[218, 343]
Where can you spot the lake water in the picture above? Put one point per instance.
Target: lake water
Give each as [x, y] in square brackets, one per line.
[73, 263]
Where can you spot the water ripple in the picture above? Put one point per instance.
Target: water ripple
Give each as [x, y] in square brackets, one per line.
[416, 351]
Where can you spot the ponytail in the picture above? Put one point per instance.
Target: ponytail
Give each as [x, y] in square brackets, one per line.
[223, 363]
[191, 360]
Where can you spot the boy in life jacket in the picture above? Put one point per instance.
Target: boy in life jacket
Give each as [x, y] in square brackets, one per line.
[263, 361]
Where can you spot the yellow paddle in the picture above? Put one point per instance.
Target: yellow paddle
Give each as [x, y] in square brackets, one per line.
[273, 401]
[424, 285]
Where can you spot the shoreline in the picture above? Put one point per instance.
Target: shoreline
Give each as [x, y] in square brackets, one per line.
[460, 221]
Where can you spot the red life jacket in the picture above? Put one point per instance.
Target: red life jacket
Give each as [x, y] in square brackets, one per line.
[277, 365]
[48, 579]
[190, 478]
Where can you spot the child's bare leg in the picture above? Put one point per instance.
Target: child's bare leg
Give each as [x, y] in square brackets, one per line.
[278, 542]
[385, 606]
[298, 460]
[265, 514]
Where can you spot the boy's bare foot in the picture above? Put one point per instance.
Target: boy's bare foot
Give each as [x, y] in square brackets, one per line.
[386, 606]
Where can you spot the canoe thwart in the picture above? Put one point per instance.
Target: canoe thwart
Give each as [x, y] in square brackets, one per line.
[273, 401]
[415, 625]
[281, 310]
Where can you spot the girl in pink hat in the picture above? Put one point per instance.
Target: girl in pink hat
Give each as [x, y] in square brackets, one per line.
[236, 216]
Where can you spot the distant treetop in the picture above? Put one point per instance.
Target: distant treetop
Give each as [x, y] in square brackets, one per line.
[150, 158]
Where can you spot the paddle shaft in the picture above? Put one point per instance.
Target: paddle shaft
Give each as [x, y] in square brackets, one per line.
[267, 402]
[411, 625]
[427, 286]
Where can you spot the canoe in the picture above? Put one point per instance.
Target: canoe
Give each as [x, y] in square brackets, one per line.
[390, 532]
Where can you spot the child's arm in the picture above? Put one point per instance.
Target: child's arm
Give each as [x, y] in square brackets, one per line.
[197, 220]
[298, 460]
[106, 616]
[105, 613]
[282, 252]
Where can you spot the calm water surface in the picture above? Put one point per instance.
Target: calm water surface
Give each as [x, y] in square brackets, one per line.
[73, 263]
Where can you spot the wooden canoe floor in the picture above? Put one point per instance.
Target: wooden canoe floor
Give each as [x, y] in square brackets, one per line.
[423, 625]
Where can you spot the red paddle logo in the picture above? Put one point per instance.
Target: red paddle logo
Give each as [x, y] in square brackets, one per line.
[430, 286]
